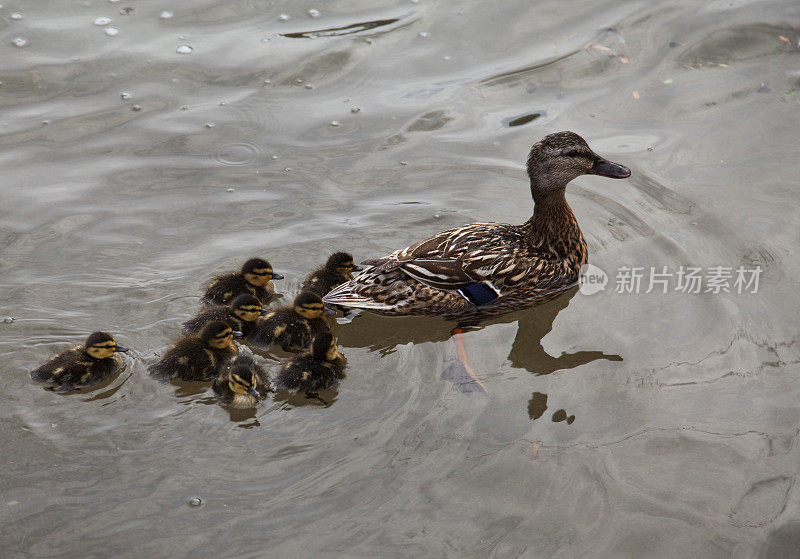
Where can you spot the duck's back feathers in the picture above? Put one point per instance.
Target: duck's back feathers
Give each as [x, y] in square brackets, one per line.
[282, 326]
[322, 280]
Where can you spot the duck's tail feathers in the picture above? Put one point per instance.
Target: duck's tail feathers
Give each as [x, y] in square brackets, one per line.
[345, 296]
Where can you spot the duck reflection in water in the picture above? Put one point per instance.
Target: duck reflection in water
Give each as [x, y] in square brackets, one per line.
[382, 335]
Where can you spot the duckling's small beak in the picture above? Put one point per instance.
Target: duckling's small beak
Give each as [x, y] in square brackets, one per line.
[277, 276]
[357, 268]
[237, 334]
[122, 349]
[328, 311]
[254, 392]
[606, 168]
[264, 311]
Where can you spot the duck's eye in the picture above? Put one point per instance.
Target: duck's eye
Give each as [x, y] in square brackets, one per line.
[572, 153]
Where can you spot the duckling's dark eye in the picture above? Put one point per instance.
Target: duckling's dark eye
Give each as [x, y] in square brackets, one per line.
[572, 153]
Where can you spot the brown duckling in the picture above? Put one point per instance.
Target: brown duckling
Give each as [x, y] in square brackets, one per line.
[84, 365]
[255, 278]
[338, 269]
[320, 368]
[243, 385]
[292, 327]
[199, 357]
[241, 315]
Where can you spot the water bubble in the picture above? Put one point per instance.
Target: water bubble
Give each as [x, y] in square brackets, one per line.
[102, 20]
[335, 123]
[125, 95]
[230, 190]
[284, 17]
[404, 163]
[194, 502]
[137, 108]
[126, 11]
[210, 125]
[355, 110]
[309, 86]
[19, 42]
[8, 319]
[223, 103]
[166, 14]
[298, 81]
[112, 31]
[184, 49]
[273, 157]
[288, 169]
[16, 15]
[313, 12]
[185, 108]
[266, 82]
[424, 34]
[447, 57]
[240, 153]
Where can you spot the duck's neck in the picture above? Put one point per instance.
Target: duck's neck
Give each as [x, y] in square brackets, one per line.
[553, 227]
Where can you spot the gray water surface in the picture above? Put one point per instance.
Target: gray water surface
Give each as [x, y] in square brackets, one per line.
[131, 173]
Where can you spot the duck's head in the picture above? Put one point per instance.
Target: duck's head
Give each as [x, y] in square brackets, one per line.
[309, 305]
[258, 272]
[242, 380]
[558, 158]
[101, 345]
[342, 263]
[219, 334]
[247, 307]
[323, 347]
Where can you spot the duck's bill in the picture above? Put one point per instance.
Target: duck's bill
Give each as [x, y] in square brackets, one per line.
[606, 168]
[329, 311]
[253, 392]
[122, 349]
[237, 334]
[264, 311]
[277, 276]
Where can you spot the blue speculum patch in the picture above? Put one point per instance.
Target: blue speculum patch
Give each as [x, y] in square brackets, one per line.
[478, 293]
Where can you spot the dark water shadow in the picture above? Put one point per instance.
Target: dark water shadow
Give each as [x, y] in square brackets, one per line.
[322, 399]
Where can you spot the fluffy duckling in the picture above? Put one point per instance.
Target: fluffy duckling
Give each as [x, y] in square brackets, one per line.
[199, 357]
[243, 385]
[320, 368]
[241, 315]
[82, 365]
[292, 327]
[338, 269]
[255, 278]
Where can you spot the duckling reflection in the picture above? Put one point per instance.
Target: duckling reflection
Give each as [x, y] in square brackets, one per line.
[254, 278]
[292, 327]
[198, 357]
[82, 365]
[318, 369]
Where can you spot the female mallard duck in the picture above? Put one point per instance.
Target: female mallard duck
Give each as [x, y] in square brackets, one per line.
[255, 278]
[338, 269]
[243, 385]
[82, 365]
[199, 357]
[292, 327]
[320, 368]
[484, 269]
[241, 315]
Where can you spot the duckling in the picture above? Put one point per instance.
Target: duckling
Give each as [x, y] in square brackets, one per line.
[255, 278]
[82, 365]
[199, 357]
[292, 327]
[241, 315]
[320, 368]
[243, 385]
[338, 269]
